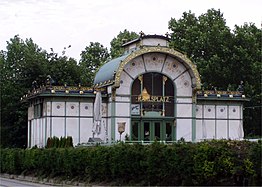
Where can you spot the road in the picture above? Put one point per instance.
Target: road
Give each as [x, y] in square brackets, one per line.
[5, 182]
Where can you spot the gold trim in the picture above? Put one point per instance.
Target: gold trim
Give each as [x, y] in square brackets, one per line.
[141, 79]
[159, 49]
[164, 80]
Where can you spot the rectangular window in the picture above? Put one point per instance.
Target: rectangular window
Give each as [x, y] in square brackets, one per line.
[38, 110]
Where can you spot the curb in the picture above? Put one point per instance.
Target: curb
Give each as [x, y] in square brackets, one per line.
[46, 181]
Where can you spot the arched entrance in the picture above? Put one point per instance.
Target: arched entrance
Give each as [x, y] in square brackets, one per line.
[152, 108]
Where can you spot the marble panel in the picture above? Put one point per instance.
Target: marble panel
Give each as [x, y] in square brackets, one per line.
[72, 108]
[183, 85]
[72, 129]
[184, 129]
[86, 125]
[154, 61]
[125, 84]
[221, 129]
[122, 109]
[234, 112]
[235, 129]
[58, 127]
[209, 111]
[58, 108]
[173, 68]
[184, 110]
[210, 129]
[86, 109]
[199, 109]
[135, 67]
[221, 112]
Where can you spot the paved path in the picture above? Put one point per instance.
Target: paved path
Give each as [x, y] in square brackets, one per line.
[5, 182]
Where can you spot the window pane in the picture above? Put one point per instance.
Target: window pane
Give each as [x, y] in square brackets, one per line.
[135, 131]
[168, 131]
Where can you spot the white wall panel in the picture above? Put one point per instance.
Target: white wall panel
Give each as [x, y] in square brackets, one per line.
[86, 129]
[234, 130]
[210, 129]
[123, 98]
[58, 127]
[209, 111]
[86, 109]
[221, 112]
[221, 129]
[72, 129]
[154, 42]
[199, 130]
[48, 108]
[125, 83]
[72, 108]
[184, 85]
[184, 100]
[154, 61]
[184, 110]
[122, 109]
[48, 129]
[184, 129]
[135, 67]
[173, 68]
[199, 111]
[58, 108]
[234, 112]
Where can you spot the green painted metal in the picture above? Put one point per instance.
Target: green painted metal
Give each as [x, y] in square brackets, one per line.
[193, 122]
[113, 120]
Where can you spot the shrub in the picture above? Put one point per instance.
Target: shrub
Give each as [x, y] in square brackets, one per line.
[206, 163]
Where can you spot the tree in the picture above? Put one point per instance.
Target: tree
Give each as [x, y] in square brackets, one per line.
[91, 59]
[20, 65]
[218, 52]
[207, 41]
[116, 49]
[63, 70]
[246, 57]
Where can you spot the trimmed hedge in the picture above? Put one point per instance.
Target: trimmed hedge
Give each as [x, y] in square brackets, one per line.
[206, 163]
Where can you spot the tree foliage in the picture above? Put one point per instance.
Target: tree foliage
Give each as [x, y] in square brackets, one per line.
[92, 58]
[116, 49]
[23, 63]
[224, 58]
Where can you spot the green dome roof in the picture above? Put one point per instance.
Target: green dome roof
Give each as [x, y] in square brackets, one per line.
[106, 74]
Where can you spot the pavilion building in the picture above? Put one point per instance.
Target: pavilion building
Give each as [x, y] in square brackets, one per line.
[151, 92]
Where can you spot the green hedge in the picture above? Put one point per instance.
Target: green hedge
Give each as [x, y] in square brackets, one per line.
[206, 163]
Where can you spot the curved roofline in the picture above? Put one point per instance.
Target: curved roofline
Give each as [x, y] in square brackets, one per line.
[147, 49]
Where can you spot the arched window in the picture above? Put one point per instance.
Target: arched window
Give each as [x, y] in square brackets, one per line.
[152, 94]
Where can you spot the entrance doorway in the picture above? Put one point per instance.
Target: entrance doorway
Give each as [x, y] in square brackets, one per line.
[152, 130]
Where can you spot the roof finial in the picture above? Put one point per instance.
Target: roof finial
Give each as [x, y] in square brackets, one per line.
[141, 34]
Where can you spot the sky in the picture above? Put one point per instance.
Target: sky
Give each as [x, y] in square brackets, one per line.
[59, 23]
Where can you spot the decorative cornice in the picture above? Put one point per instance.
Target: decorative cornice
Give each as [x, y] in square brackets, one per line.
[49, 89]
[159, 49]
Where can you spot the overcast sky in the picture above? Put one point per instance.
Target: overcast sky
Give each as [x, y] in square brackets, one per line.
[60, 23]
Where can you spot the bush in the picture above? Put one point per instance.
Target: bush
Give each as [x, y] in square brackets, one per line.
[63, 142]
[206, 163]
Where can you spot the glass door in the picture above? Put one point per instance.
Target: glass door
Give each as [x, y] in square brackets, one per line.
[151, 130]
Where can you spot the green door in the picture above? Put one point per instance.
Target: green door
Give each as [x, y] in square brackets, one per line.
[151, 130]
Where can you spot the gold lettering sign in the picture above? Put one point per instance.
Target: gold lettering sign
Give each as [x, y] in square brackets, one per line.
[145, 97]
